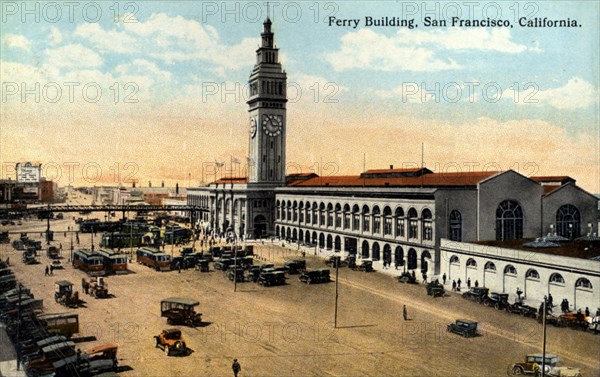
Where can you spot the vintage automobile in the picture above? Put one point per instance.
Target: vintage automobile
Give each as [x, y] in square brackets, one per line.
[407, 278]
[576, 320]
[95, 360]
[96, 286]
[365, 265]
[478, 294]
[334, 260]
[171, 341]
[533, 365]
[202, 265]
[56, 264]
[64, 295]
[235, 272]
[463, 327]
[179, 310]
[523, 310]
[252, 274]
[269, 277]
[295, 266]
[435, 289]
[315, 276]
[29, 258]
[52, 252]
[498, 300]
[50, 354]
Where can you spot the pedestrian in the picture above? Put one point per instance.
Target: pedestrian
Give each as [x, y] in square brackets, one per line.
[396, 263]
[51, 270]
[236, 367]
[476, 283]
[424, 277]
[468, 283]
[453, 285]
[458, 284]
[47, 271]
[404, 313]
[587, 311]
[444, 278]
[550, 299]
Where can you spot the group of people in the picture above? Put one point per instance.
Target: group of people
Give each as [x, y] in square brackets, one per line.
[49, 270]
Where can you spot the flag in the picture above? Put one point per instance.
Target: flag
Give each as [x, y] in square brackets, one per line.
[235, 160]
[219, 164]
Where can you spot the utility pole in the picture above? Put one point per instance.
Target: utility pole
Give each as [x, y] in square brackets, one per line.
[235, 265]
[19, 328]
[337, 270]
[544, 340]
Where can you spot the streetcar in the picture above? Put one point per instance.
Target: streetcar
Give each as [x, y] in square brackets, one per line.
[114, 261]
[152, 257]
[89, 262]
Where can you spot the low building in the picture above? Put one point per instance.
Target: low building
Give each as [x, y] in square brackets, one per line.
[570, 271]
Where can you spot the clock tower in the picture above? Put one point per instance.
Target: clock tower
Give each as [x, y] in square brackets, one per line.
[267, 114]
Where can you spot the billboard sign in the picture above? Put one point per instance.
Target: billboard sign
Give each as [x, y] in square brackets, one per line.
[28, 173]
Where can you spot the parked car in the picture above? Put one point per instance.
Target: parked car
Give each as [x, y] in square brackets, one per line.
[478, 294]
[179, 310]
[463, 327]
[56, 264]
[407, 278]
[533, 365]
[315, 276]
[295, 266]
[171, 342]
[435, 289]
[498, 300]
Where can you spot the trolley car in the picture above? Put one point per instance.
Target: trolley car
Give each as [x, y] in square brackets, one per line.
[88, 261]
[151, 257]
[114, 261]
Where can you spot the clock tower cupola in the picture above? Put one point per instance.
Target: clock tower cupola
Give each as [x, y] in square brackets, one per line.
[267, 113]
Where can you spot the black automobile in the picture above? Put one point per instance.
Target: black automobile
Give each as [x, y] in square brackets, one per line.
[295, 266]
[315, 276]
[463, 327]
[435, 289]
[498, 300]
[268, 277]
[478, 294]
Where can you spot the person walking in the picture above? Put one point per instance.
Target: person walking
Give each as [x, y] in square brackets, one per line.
[468, 283]
[404, 313]
[453, 285]
[476, 283]
[51, 270]
[587, 311]
[458, 284]
[47, 271]
[236, 367]
[444, 278]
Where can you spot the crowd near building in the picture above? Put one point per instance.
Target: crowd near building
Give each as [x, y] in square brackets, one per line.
[472, 226]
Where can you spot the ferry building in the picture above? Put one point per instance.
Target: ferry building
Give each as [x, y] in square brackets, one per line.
[401, 216]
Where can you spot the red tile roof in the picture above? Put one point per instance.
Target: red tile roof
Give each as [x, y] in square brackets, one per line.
[427, 180]
[553, 178]
[383, 171]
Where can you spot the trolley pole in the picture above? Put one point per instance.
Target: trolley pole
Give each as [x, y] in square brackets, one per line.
[19, 328]
[337, 270]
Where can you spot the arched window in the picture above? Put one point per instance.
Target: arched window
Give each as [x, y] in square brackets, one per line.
[289, 210]
[399, 219]
[278, 212]
[366, 216]
[556, 278]
[338, 216]
[532, 274]
[346, 216]
[490, 266]
[301, 212]
[509, 221]
[399, 256]
[510, 270]
[583, 283]
[376, 220]
[322, 214]
[455, 226]
[568, 221]
[321, 240]
[315, 214]
[365, 249]
[355, 217]
[329, 242]
[337, 243]
[307, 209]
[471, 263]
[427, 225]
[295, 211]
[376, 249]
[412, 259]
[425, 255]
[454, 260]
[294, 235]
[387, 221]
[413, 223]
[329, 214]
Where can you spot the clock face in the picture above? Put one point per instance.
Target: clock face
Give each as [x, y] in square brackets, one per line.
[272, 124]
[252, 127]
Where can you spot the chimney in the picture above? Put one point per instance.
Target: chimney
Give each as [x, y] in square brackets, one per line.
[391, 167]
